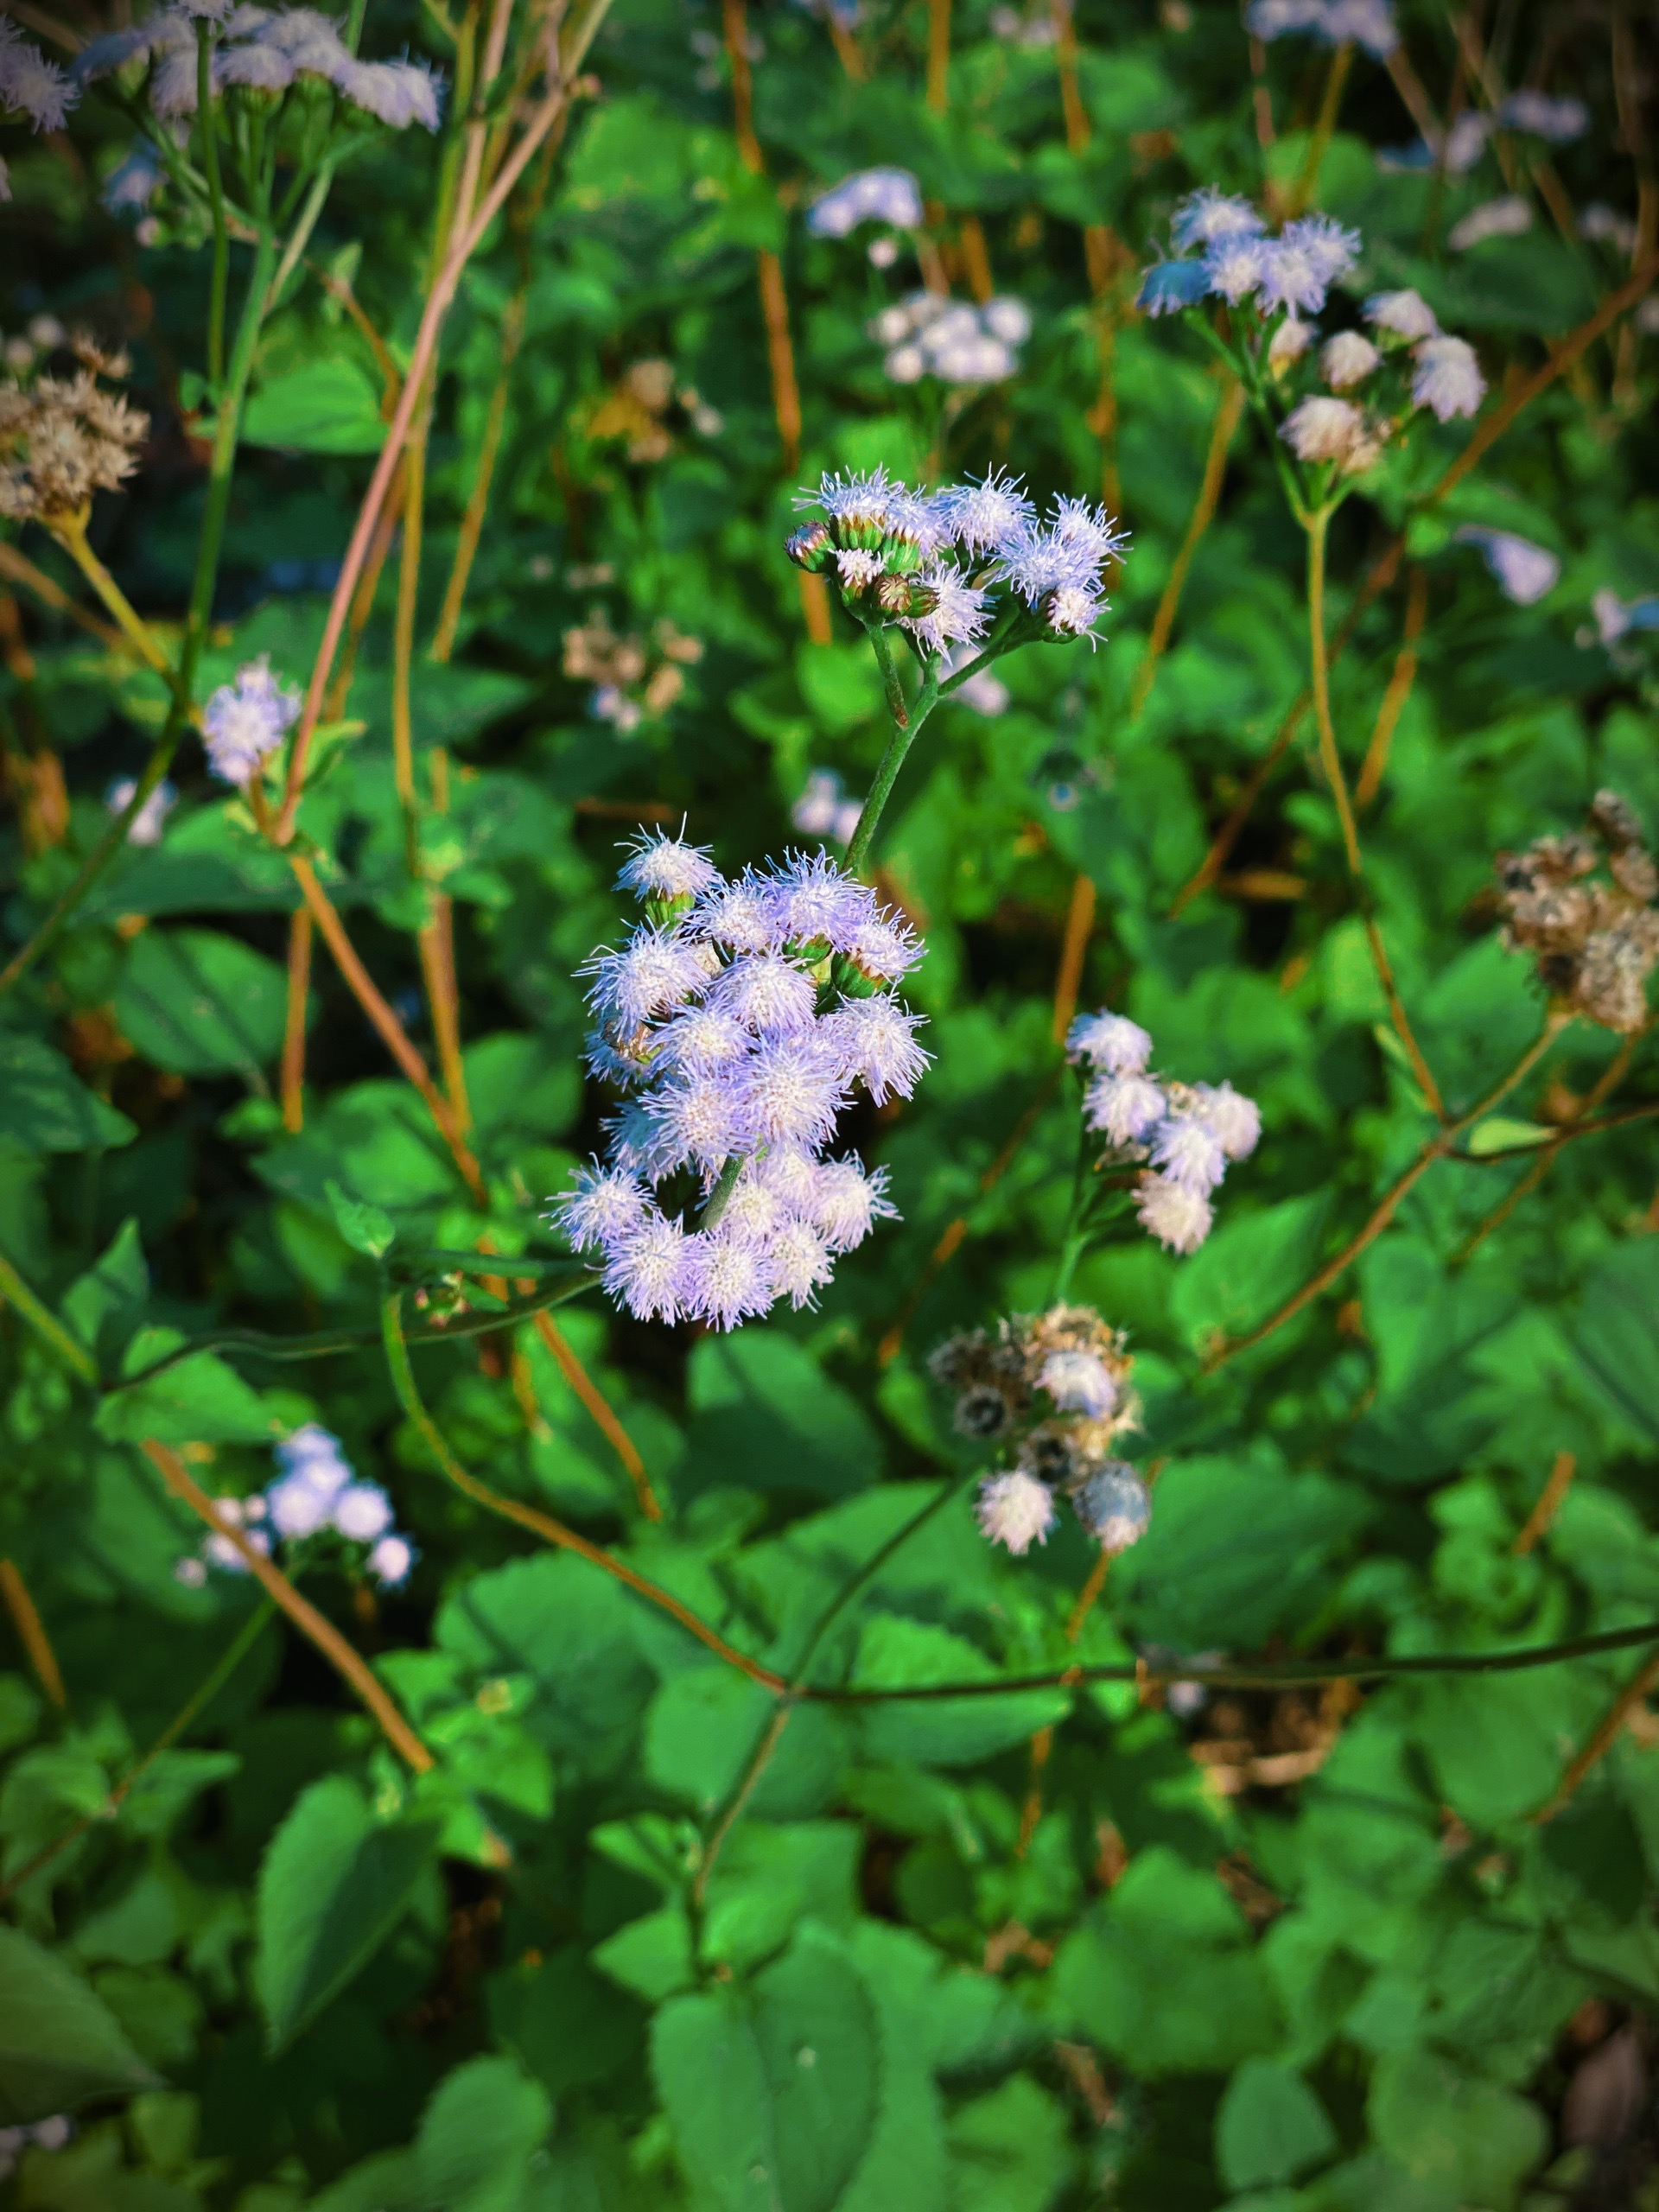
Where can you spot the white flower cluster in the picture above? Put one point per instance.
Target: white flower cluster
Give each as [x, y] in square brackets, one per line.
[881, 195]
[1444, 377]
[737, 1019]
[887, 543]
[1369, 24]
[926, 335]
[1189, 1132]
[243, 722]
[261, 50]
[45, 2135]
[148, 824]
[315, 1494]
[1525, 572]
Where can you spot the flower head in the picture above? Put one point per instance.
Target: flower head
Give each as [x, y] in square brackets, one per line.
[1015, 1510]
[1188, 1151]
[1124, 1108]
[661, 867]
[1209, 214]
[1079, 1382]
[1236, 1119]
[1114, 1506]
[1347, 359]
[32, 86]
[985, 514]
[1401, 315]
[243, 722]
[882, 195]
[1110, 1041]
[1447, 381]
[1178, 1217]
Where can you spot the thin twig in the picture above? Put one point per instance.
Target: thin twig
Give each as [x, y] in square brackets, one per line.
[1602, 1737]
[1074, 946]
[291, 1087]
[603, 1414]
[17, 568]
[1605, 1084]
[1403, 676]
[1438, 1148]
[1537, 1522]
[31, 1632]
[543, 1524]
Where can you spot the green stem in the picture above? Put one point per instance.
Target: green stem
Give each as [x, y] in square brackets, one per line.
[202, 599]
[46, 1325]
[207, 117]
[720, 1197]
[907, 717]
[1317, 524]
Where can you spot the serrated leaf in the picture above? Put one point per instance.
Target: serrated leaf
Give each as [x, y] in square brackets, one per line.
[59, 2044]
[334, 1883]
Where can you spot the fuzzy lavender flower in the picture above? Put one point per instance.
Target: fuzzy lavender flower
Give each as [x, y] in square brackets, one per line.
[737, 1052]
[880, 195]
[1114, 1506]
[314, 1495]
[1401, 315]
[1110, 1041]
[1525, 572]
[1188, 1151]
[1124, 1108]
[1303, 263]
[393, 1561]
[1236, 1119]
[1209, 214]
[661, 867]
[1448, 381]
[1079, 1382]
[32, 86]
[1180, 1218]
[363, 1512]
[243, 722]
[956, 616]
[1015, 1510]
[1347, 359]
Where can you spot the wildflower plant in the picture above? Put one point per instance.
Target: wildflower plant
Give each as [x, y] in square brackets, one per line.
[826, 1304]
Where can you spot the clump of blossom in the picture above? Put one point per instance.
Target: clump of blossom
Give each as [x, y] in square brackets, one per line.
[63, 438]
[1586, 907]
[636, 410]
[1525, 572]
[147, 825]
[314, 1495]
[632, 675]
[1369, 24]
[1273, 286]
[926, 335]
[1188, 1133]
[1053, 1390]
[262, 52]
[31, 86]
[879, 195]
[888, 547]
[243, 722]
[737, 1021]
[1559, 121]
[823, 809]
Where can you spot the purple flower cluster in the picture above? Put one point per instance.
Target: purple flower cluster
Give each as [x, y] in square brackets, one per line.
[1291, 273]
[263, 50]
[881, 195]
[887, 545]
[737, 1019]
[315, 1494]
[1188, 1132]
[243, 722]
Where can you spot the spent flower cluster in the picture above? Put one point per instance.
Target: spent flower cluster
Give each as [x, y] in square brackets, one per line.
[314, 1495]
[1188, 1133]
[1586, 906]
[632, 675]
[888, 547]
[63, 438]
[737, 1021]
[1053, 1390]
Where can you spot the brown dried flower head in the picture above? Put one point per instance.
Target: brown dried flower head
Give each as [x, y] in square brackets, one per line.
[63, 438]
[1586, 906]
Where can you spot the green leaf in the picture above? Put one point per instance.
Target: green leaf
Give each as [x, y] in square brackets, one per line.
[940, 1731]
[1164, 1975]
[478, 2136]
[367, 1229]
[1616, 1331]
[333, 1884]
[765, 1415]
[198, 1003]
[45, 1107]
[1475, 2140]
[1249, 1266]
[199, 1399]
[1270, 2127]
[103, 1305]
[1010, 2151]
[771, 2090]
[329, 406]
[59, 2044]
[704, 1722]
